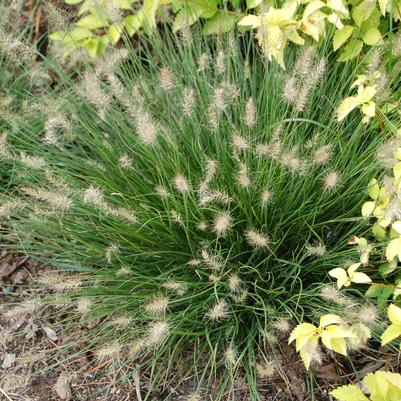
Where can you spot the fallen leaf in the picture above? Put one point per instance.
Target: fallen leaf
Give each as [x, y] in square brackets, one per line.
[8, 361]
[50, 333]
[62, 387]
[328, 372]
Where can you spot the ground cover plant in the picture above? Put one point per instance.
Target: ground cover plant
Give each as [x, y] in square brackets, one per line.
[351, 26]
[195, 199]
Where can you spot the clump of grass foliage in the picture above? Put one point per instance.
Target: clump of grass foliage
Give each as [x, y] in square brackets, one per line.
[199, 203]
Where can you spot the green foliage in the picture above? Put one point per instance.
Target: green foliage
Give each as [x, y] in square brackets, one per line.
[352, 25]
[197, 206]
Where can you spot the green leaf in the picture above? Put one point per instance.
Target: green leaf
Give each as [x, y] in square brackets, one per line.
[362, 12]
[383, 297]
[72, 2]
[372, 22]
[341, 36]
[252, 3]
[372, 37]
[349, 393]
[220, 23]
[374, 291]
[351, 50]
[191, 13]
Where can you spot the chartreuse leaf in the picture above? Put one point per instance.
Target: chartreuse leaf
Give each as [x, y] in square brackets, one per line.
[92, 21]
[253, 3]
[394, 249]
[133, 23]
[302, 334]
[383, 6]
[191, 12]
[394, 330]
[341, 36]
[250, 21]
[373, 189]
[394, 314]
[351, 50]
[149, 10]
[367, 208]
[72, 2]
[349, 393]
[372, 37]
[115, 32]
[308, 351]
[220, 23]
[362, 11]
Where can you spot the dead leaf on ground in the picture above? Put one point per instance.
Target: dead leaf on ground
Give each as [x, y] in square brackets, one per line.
[328, 372]
[62, 387]
[50, 333]
[8, 361]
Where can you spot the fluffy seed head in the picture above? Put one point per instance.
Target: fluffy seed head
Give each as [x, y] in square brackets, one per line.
[54, 199]
[230, 355]
[220, 63]
[4, 147]
[161, 191]
[331, 180]
[175, 286]
[84, 305]
[239, 143]
[157, 306]
[125, 162]
[266, 370]
[222, 223]
[234, 283]
[317, 250]
[218, 312]
[93, 196]
[368, 314]
[331, 294]
[121, 321]
[181, 184]
[188, 101]
[109, 351]
[193, 396]
[243, 178]
[157, 333]
[266, 196]
[202, 226]
[35, 162]
[111, 250]
[203, 62]
[282, 325]
[136, 347]
[256, 239]
[250, 113]
[323, 155]
[10, 207]
[147, 129]
[166, 79]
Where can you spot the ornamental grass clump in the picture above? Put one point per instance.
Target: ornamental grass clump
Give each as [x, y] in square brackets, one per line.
[193, 211]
